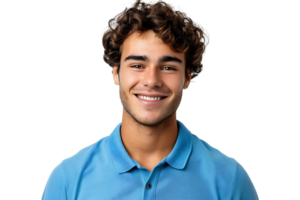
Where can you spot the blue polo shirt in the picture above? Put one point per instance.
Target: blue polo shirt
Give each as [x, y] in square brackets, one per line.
[192, 171]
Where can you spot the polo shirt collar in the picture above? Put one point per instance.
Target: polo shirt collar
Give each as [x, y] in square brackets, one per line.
[176, 159]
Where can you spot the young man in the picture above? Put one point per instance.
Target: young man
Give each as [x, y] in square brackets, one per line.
[154, 52]
[149, 128]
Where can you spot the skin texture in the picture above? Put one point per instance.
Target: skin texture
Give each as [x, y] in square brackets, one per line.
[149, 132]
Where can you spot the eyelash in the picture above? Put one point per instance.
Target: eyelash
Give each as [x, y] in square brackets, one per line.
[133, 66]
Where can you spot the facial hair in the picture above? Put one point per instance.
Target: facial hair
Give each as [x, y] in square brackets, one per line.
[123, 102]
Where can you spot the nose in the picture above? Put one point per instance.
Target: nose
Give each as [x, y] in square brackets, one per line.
[151, 78]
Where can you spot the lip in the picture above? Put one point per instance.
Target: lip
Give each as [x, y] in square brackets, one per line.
[150, 103]
[151, 95]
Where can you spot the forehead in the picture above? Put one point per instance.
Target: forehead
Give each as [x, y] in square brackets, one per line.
[149, 36]
[147, 43]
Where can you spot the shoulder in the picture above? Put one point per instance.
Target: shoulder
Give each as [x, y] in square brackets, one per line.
[242, 186]
[229, 175]
[212, 156]
[64, 176]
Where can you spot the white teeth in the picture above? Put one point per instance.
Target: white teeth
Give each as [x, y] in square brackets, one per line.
[150, 98]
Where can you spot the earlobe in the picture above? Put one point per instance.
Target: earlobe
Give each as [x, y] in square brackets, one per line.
[187, 81]
[115, 75]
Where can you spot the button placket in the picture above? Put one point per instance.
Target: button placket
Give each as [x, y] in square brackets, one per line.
[148, 186]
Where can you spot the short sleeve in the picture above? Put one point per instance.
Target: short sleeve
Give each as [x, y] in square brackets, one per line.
[55, 187]
[242, 188]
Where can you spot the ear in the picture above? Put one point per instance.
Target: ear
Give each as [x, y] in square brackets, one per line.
[187, 80]
[115, 75]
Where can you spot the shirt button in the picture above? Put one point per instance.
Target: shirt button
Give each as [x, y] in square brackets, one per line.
[148, 186]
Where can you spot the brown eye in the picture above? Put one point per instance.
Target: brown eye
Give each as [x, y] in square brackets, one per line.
[168, 68]
[136, 66]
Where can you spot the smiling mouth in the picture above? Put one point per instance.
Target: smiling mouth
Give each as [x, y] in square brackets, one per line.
[161, 97]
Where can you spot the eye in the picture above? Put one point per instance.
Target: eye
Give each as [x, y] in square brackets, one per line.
[170, 68]
[133, 66]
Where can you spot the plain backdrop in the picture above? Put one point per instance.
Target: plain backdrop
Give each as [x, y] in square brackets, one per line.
[72, 101]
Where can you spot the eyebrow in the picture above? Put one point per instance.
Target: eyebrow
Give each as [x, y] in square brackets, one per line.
[162, 59]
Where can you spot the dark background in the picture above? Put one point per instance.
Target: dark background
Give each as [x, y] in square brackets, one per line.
[70, 101]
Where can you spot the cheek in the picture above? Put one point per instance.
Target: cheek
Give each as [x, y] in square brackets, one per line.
[174, 85]
[128, 80]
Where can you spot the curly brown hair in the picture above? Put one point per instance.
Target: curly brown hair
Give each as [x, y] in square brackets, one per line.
[173, 27]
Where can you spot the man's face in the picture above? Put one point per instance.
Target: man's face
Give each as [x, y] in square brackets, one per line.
[151, 79]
